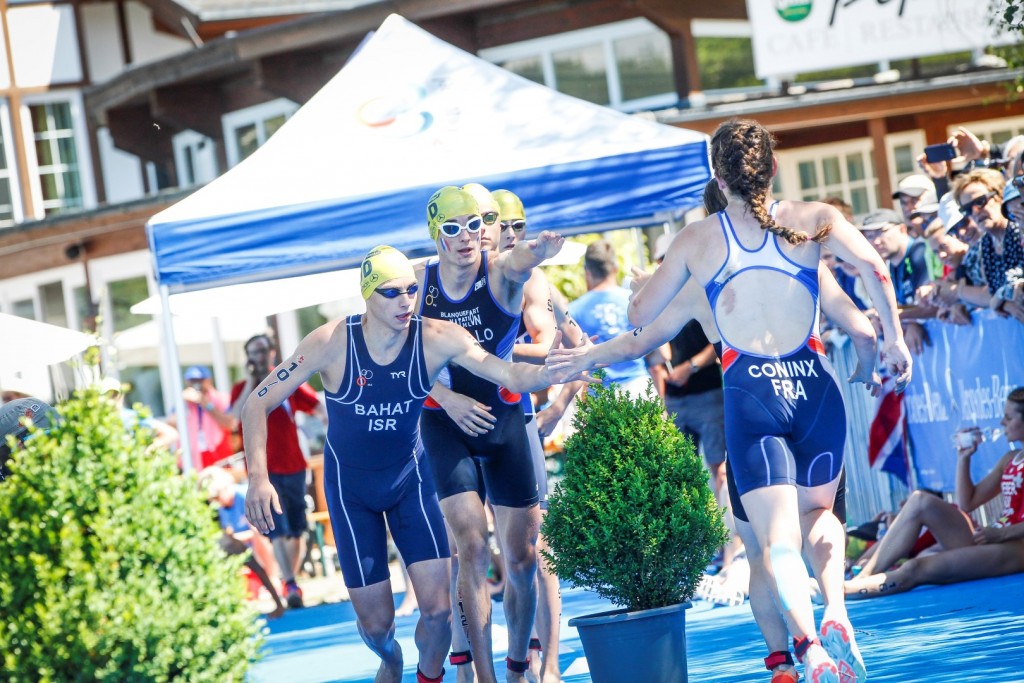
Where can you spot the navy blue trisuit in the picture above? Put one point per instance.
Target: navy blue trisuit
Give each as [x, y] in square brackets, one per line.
[373, 465]
[785, 420]
[497, 464]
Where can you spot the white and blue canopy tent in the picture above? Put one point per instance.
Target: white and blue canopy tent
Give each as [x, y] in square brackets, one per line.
[409, 113]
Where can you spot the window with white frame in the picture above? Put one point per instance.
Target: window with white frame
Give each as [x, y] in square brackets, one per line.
[247, 129]
[996, 131]
[725, 56]
[195, 158]
[10, 205]
[58, 152]
[841, 170]
[902, 150]
[626, 65]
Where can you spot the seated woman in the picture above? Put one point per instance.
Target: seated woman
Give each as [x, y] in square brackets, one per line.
[968, 552]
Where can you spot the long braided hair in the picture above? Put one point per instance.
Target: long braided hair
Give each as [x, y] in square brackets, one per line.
[741, 152]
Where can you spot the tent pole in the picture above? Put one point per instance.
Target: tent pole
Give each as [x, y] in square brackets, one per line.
[184, 438]
[220, 364]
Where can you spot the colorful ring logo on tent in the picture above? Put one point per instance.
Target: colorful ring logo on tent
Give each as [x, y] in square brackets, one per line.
[396, 115]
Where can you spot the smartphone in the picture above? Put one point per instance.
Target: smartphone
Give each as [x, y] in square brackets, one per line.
[943, 152]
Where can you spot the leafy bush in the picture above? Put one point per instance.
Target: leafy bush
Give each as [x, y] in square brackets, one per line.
[634, 519]
[110, 569]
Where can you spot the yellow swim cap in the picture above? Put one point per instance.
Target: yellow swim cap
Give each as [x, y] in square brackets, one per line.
[381, 264]
[447, 203]
[480, 193]
[510, 207]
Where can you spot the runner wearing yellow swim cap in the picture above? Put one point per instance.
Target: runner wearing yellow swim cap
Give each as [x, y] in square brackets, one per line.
[467, 420]
[380, 265]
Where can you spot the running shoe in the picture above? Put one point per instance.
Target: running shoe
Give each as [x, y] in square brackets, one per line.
[294, 596]
[837, 638]
[818, 668]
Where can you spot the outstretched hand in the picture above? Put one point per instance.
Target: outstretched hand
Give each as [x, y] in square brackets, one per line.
[571, 364]
[896, 357]
[867, 376]
[546, 244]
[259, 500]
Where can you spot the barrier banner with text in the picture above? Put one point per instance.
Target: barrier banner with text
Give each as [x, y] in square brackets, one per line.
[961, 380]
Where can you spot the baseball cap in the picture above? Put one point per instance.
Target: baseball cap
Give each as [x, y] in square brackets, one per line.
[915, 186]
[110, 384]
[949, 212]
[879, 219]
[196, 372]
[1010, 192]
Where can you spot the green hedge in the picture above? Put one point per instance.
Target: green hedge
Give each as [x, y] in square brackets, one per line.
[634, 519]
[109, 568]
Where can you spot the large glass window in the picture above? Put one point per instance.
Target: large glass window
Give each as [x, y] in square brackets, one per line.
[7, 215]
[246, 130]
[726, 63]
[582, 72]
[123, 295]
[627, 65]
[57, 163]
[845, 170]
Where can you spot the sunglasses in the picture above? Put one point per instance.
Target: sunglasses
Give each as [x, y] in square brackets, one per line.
[394, 292]
[871, 235]
[517, 225]
[490, 217]
[472, 226]
[976, 203]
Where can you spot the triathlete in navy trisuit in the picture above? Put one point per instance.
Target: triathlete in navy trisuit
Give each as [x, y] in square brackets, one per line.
[376, 369]
[766, 312]
[483, 292]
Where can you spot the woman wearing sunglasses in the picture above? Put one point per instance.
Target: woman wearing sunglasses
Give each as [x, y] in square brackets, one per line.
[980, 195]
[376, 369]
[483, 292]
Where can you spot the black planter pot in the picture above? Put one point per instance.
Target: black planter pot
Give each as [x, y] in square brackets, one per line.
[648, 646]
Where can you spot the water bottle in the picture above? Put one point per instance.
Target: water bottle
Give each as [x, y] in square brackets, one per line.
[966, 438]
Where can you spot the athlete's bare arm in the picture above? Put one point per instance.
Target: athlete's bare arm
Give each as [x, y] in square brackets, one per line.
[517, 263]
[445, 342]
[316, 353]
[648, 302]
[847, 243]
[538, 318]
[841, 310]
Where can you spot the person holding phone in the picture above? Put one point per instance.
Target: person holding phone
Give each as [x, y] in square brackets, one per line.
[210, 423]
[968, 552]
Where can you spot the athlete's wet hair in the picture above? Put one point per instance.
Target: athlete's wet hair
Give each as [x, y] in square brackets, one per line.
[714, 199]
[741, 153]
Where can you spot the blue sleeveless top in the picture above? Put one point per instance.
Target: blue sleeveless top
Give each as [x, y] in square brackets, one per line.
[495, 328]
[373, 418]
[767, 256]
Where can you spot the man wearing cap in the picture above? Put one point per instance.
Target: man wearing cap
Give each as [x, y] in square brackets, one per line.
[376, 369]
[209, 423]
[916, 195]
[483, 294]
[908, 267]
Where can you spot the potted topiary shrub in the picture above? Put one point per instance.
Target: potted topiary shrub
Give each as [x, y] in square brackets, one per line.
[635, 521]
[110, 567]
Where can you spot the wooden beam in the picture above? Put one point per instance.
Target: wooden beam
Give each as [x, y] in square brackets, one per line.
[878, 130]
[526, 20]
[135, 130]
[195, 106]
[298, 75]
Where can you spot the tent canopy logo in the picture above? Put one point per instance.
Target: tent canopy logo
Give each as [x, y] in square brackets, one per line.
[793, 10]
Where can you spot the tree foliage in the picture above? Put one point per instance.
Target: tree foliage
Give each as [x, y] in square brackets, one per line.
[634, 519]
[109, 566]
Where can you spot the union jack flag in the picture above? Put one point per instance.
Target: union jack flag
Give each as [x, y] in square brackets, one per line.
[887, 438]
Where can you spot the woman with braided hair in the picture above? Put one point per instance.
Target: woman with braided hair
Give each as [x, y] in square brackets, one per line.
[784, 415]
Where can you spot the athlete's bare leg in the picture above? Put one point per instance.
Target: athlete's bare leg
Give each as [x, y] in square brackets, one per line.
[375, 619]
[518, 529]
[431, 579]
[465, 514]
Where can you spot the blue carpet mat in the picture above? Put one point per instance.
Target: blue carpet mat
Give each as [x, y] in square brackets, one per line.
[941, 634]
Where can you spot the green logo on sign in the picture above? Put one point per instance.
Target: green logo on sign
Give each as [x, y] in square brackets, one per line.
[793, 10]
